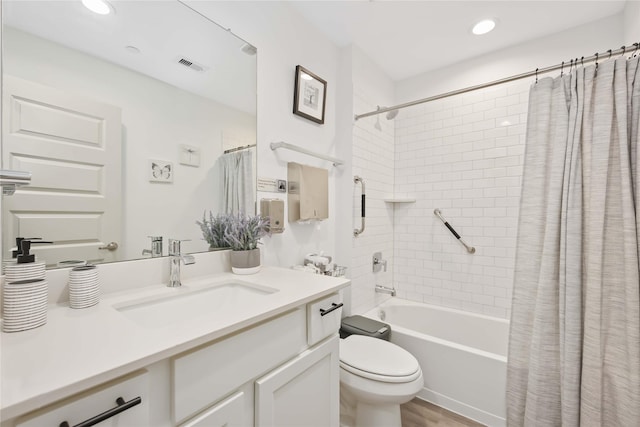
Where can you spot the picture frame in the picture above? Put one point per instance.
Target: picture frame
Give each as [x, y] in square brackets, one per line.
[309, 95]
[160, 171]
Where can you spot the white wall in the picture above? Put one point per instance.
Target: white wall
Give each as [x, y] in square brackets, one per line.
[464, 155]
[632, 22]
[152, 128]
[585, 40]
[285, 39]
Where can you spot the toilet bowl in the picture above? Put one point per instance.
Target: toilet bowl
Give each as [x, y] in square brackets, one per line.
[376, 377]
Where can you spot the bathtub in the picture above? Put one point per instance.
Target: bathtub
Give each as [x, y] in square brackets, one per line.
[463, 356]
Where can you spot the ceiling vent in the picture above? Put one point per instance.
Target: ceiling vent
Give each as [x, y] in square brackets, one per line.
[191, 64]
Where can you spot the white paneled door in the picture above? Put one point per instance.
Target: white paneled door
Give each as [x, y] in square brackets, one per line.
[72, 147]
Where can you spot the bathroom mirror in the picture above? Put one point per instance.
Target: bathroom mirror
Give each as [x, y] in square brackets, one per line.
[123, 119]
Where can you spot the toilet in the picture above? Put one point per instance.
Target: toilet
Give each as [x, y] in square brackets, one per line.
[376, 377]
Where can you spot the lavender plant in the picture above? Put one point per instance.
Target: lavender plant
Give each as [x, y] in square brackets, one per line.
[213, 229]
[243, 232]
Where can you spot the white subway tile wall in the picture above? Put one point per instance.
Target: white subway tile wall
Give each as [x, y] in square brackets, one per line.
[463, 155]
[373, 154]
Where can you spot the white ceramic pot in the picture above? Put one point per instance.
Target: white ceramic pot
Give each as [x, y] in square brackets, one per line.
[245, 262]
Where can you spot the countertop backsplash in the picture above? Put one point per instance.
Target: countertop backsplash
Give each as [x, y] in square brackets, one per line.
[121, 276]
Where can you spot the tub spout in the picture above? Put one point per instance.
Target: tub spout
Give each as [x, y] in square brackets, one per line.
[386, 290]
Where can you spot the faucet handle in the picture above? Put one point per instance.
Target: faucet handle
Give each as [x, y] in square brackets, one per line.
[174, 246]
[155, 238]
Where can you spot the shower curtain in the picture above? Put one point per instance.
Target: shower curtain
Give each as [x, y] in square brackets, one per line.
[574, 345]
[237, 183]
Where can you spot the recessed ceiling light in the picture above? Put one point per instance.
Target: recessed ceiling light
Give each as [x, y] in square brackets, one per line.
[483, 27]
[101, 7]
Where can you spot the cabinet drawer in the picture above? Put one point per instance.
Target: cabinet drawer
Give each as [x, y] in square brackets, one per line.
[86, 405]
[228, 413]
[205, 375]
[323, 318]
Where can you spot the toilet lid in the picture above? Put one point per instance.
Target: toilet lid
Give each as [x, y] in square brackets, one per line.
[377, 359]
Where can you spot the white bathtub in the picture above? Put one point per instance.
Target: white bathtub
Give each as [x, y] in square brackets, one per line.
[463, 356]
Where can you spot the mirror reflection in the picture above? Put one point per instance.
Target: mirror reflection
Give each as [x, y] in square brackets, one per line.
[132, 124]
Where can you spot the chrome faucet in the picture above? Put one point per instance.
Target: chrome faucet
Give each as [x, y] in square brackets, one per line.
[175, 258]
[156, 247]
[378, 262]
[385, 290]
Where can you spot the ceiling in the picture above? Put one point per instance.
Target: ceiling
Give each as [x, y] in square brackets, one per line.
[227, 75]
[406, 38]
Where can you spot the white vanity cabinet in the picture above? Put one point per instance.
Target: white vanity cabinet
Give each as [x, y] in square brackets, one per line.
[282, 371]
[303, 392]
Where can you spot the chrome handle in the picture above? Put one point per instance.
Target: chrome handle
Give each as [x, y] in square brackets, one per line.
[470, 249]
[112, 246]
[363, 198]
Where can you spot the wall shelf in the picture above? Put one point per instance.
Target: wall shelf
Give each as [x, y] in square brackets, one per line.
[400, 199]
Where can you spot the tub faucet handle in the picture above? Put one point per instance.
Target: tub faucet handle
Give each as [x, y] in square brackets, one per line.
[378, 262]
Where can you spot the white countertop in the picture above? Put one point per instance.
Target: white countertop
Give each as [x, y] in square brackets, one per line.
[79, 349]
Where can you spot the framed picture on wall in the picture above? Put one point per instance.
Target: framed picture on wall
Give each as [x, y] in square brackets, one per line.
[309, 95]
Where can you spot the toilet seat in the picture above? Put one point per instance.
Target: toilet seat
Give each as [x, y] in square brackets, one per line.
[378, 360]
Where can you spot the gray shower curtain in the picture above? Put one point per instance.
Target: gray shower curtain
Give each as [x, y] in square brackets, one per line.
[237, 183]
[574, 345]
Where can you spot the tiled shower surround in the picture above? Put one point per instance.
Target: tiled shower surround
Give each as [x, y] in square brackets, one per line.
[463, 155]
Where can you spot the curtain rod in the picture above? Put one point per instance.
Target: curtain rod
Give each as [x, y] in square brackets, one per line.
[606, 55]
[244, 147]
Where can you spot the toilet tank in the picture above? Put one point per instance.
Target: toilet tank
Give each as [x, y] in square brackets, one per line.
[360, 325]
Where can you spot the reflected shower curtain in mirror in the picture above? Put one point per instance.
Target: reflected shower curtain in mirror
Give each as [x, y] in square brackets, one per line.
[237, 183]
[574, 344]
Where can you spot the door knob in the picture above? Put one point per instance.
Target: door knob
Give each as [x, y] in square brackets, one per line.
[112, 246]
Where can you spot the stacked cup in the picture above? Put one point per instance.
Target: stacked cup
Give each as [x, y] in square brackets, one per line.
[24, 297]
[84, 286]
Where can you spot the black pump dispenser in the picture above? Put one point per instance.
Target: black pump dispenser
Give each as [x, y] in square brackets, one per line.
[23, 246]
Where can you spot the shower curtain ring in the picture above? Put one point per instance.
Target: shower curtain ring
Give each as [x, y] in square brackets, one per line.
[610, 52]
[562, 69]
[624, 49]
[536, 75]
[582, 61]
[596, 60]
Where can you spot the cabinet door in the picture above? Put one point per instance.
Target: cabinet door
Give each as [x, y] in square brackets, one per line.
[228, 413]
[303, 392]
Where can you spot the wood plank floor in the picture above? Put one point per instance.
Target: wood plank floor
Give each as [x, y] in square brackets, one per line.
[418, 413]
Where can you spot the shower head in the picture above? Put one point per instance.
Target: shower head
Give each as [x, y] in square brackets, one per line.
[392, 114]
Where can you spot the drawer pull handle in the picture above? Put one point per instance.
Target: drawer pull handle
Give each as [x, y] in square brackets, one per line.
[334, 306]
[122, 406]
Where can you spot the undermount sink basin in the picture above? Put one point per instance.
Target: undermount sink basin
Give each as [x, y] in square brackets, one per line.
[188, 303]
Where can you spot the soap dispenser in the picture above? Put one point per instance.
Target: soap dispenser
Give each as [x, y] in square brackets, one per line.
[24, 266]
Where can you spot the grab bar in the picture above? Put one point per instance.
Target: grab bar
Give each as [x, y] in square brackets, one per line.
[470, 249]
[357, 232]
